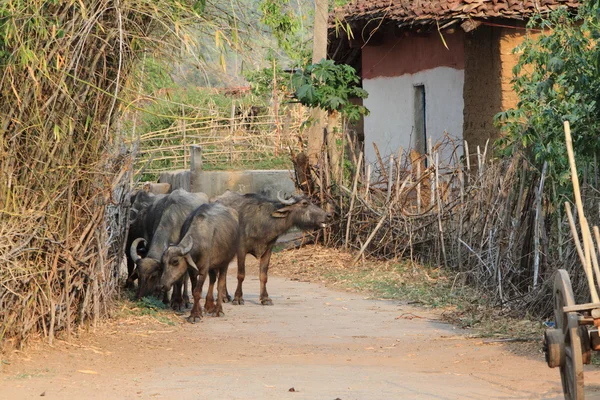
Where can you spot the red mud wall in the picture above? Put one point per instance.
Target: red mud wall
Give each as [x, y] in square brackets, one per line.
[410, 52]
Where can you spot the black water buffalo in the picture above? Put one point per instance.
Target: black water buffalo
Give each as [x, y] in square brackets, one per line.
[262, 221]
[173, 209]
[209, 239]
[146, 209]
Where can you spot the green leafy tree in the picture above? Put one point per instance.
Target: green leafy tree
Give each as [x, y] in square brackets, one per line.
[330, 86]
[285, 22]
[557, 78]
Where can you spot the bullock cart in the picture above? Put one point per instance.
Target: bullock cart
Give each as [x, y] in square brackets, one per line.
[569, 344]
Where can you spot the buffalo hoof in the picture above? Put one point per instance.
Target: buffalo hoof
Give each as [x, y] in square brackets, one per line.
[219, 314]
[210, 308]
[266, 302]
[177, 305]
[226, 299]
[238, 302]
[193, 320]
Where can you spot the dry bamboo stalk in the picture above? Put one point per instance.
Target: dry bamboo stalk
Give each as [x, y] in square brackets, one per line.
[397, 196]
[582, 258]
[559, 226]
[467, 156]
[368, 183]
[597, 235]
[352, 196]
[371, 236]
[594, 256]
[380, 160]
[485, 149]
[390, 179]
[583, 222]
[439, 213]
[418, 187]
[479, 166]
[536, 228]
[430, 162]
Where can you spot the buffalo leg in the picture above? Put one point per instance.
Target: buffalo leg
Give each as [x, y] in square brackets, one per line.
[176, 298]
[238, 298]
[209, 305]
[186, 295]
[264, 270]
[132, 274]
[196, 313]
[221, 289]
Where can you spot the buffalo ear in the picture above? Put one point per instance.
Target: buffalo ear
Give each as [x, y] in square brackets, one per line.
[281, 213]
[186, 244]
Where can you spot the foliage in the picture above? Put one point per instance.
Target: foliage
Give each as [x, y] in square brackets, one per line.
[261, 81]
[330, 86]
[286, 25]
[557, 78]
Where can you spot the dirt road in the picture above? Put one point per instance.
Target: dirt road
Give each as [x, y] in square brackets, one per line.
[322, 343]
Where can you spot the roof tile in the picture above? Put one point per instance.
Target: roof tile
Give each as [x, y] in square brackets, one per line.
[409, 12]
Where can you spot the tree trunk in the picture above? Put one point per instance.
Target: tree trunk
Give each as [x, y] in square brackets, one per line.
[318, 116]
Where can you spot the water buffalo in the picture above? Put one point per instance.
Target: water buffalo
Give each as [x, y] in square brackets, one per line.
[209, 239]
[173, 209]
[262, 221]
[146, 209]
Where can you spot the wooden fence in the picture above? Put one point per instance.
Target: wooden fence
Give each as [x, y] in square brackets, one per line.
[240, 140]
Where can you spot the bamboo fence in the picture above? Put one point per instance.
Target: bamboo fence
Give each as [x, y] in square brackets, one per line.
[227, 142]
[488, 222]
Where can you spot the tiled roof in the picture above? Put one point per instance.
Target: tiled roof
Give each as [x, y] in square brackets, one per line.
[423, 12]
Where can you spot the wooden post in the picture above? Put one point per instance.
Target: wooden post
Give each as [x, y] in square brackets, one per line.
[185, 149]
[231, 131]
[276, 108]
[319, 117]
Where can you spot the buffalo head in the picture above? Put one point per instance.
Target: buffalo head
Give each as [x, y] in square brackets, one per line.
[148, 269]
[302, 213]
[176, 260]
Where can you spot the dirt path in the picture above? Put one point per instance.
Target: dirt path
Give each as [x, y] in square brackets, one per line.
[325, 344]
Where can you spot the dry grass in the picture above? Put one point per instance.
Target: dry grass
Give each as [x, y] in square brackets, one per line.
[66, 73]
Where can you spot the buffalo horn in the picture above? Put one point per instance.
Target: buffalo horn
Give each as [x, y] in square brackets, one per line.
[288, 202]
[191, 262]
[133, 249]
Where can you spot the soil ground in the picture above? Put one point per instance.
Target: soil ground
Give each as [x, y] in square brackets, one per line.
[313, 343]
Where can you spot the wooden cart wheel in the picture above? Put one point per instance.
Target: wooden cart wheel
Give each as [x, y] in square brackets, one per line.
[571, 373]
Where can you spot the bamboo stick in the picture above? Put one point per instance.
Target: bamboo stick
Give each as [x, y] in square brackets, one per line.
[439, 211]
[583, 222]
[467, 156]
[418, 186]
[536, 229]
[371, 236]
[368, 183]
[390, 179]
[352, 197]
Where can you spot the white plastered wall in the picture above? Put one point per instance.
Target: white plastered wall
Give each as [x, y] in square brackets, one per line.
[391, 103]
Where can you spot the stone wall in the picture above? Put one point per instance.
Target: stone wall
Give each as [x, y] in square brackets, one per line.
[214, 183]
